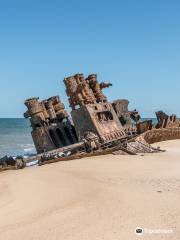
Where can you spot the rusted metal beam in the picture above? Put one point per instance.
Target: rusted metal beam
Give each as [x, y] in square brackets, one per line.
[58, 150]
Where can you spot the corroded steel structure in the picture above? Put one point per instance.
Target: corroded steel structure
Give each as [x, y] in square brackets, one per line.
[165, 121]
[96, 126]
[82, 91]
[167, 128]
[158, 135]
[144, 126]
[91, 111]
[51, 127]
[130, 120]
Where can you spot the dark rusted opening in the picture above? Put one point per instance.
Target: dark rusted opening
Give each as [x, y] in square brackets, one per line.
[74, 133]
[122, 120]
[61, 137]
[53, 138]
[68, 134]
[37, 125]
[104, 116]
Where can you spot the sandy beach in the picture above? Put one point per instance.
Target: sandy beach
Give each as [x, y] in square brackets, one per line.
[95, 198]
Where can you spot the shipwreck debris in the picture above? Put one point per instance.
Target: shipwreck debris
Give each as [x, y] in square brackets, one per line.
[167, 128]
[159, 135]
[91, 111]
[51, 126]
[130, 120]
[94, 127]
[97, 126]
[165, 121]
[144, 126]
[12, 163]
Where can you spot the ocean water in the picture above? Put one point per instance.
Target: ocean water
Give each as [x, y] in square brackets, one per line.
[15, 137]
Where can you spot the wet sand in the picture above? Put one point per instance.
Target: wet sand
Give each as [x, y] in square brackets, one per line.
[96, 198]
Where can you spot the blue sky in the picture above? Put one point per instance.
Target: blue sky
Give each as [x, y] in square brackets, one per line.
[135, 44]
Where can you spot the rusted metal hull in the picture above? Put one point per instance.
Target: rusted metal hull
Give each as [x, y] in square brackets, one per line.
[100, 119]
[159, 135]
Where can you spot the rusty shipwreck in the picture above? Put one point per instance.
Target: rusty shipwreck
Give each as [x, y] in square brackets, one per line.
[94, 126]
